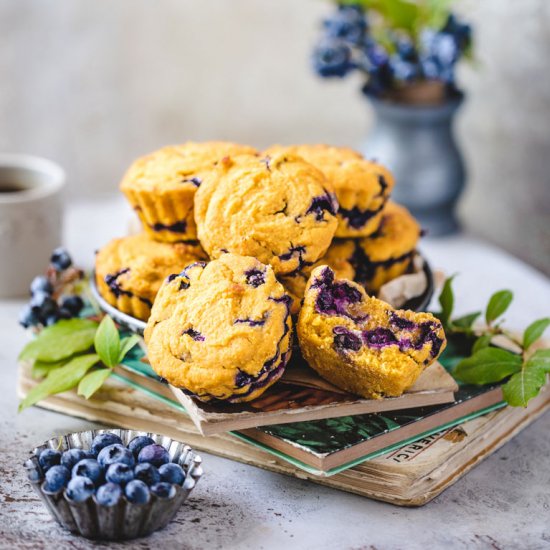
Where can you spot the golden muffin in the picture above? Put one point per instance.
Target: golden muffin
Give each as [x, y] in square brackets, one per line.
[280, 210]
[129, 271]
[362, 186]
[221, 331]
[161, 186]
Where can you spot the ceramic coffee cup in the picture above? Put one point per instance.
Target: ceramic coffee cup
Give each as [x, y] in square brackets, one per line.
[30, 219]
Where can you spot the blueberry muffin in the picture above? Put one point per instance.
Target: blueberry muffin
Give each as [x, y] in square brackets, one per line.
[338, 257]
[129, 271]
[221, 331]
[362, 186]
[361, 344]
[278, 209]
[388, 253]
[161, 186]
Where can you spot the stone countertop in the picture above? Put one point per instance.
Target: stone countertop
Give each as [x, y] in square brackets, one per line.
[503, 503]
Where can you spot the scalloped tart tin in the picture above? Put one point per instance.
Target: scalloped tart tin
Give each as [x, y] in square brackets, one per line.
[125, 520]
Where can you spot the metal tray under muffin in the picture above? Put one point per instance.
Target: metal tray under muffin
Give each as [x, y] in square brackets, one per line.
[418, 303]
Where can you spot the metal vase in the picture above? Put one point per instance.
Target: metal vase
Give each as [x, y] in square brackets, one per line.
[418, 145]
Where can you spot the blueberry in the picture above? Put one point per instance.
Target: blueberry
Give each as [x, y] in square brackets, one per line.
[64, 313]
[345, 340]
[41, 283]
[49, 458]
[138, 443]
[28, 317]
[33, 472]
[172, 473]
[90, 468]
[51, 319]
[43, 304]
[72, 303]
[155, 454]
[60, 259]
[71, 456]
[103, 440]
[332, 58]
[115, 453]
[80, 488]
[57, 477]
[109, 494]
[163, 490]
[348, 23]
[137, 492]
[119, 473]
[147, 473]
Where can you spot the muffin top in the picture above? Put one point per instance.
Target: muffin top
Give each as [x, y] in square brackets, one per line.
[221, 330]
[362, 186]
[397, 235]
[137, 265]
[174, 166]
[279, 209]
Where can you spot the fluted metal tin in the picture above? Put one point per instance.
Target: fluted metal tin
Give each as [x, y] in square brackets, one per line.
[125, 520]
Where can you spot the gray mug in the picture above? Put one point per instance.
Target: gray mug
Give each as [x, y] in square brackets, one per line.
[30, 219]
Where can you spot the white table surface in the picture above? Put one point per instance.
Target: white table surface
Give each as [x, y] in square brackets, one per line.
[503, 503]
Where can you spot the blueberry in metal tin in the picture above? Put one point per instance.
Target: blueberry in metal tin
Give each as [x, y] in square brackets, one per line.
[57, 477]
[164, 490]
[154, 454]
[137, 492]
[80, 488]
[115, 453]
[103, 440]
[71, 456]
[147, 473]
[119, 473]
[109, 494]
[172, 473]
[138, 443]
[90, 468]
[49, 458]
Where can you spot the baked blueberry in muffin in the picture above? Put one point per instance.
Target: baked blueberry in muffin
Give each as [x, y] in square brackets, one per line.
[161, 186]
[278, 209]
[129, 271]
[360, 343]
[390, 251]
[362, 186]
[221, 331]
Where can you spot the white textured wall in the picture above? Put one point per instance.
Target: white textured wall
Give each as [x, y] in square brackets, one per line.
[94, 84]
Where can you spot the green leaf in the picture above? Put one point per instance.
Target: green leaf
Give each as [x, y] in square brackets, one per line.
[539, 360]
[60, 380]
[107, 342]
[93, 381]
[482, 342]
[446, 300]
[126, 345]
[523, 386]
[534, 331]
[40, 369]
[466, 321]
[487, 365]
[59, 341]
[498, 304]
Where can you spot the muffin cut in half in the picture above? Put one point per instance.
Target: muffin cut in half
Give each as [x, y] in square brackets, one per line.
[221, 331]
[361, 344]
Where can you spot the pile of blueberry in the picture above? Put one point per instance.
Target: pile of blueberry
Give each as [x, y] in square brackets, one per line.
[110, 470]
[348, 44]
[46, 305]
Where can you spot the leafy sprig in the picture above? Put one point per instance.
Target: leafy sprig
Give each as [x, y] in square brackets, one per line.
[525, 368]
[74, 353]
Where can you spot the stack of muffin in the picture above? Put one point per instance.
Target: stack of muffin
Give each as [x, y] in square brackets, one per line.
[250, 229]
